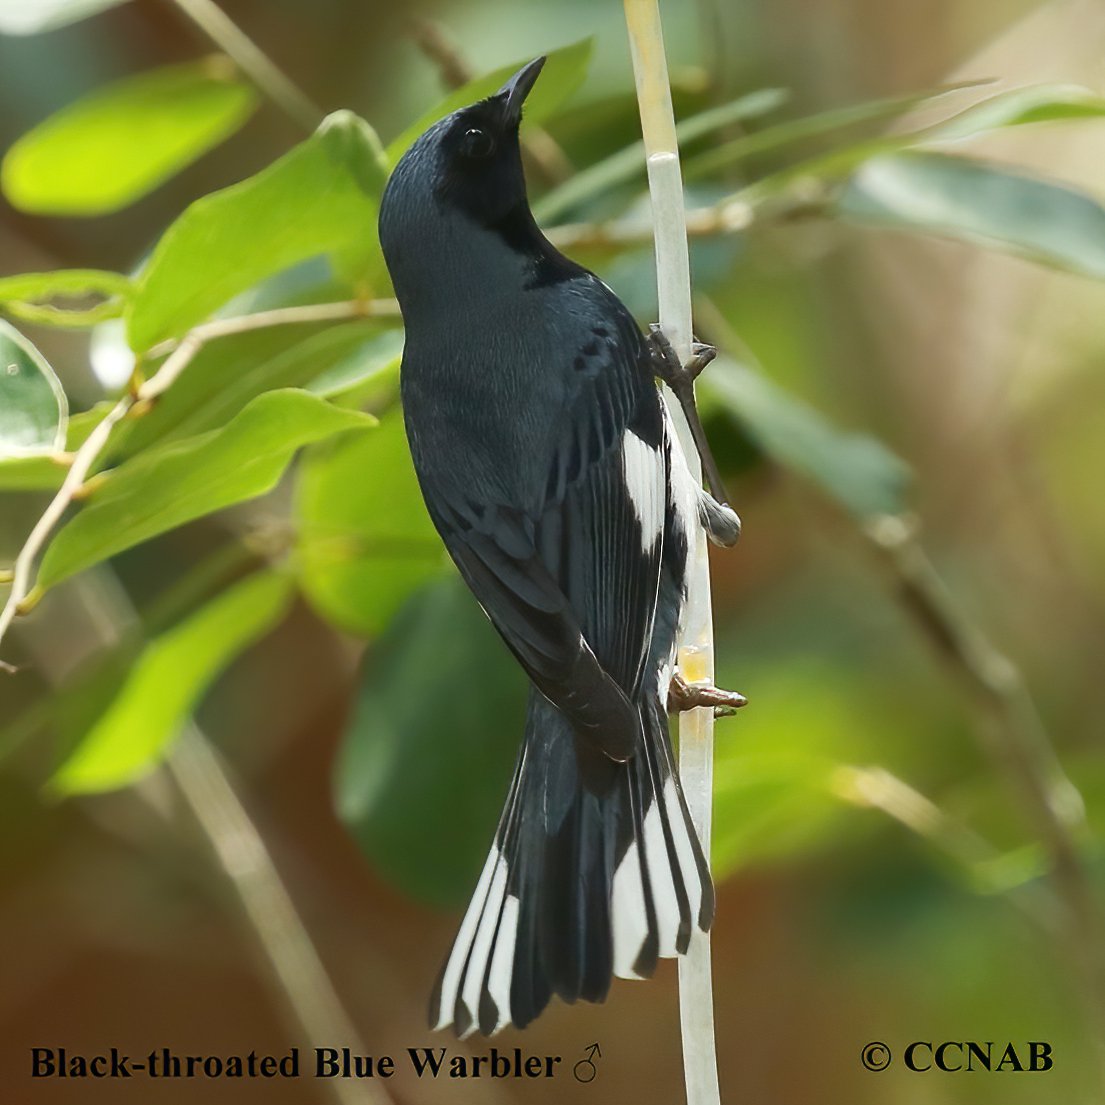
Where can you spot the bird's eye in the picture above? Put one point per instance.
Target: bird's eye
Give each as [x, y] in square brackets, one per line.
[476, 143]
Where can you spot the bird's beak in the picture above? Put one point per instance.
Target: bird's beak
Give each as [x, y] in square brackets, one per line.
[515, 91]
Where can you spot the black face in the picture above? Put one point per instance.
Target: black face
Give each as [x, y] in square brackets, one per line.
[465, 171]
[479, 163]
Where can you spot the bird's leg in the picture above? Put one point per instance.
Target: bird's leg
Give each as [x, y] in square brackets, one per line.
[689, 696]
[680, 378]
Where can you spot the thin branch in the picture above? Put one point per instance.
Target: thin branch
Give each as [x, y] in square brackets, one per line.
[696, 653]
[1010, 730]
[434, 41]
[296, 965]
[878, 789]
[136, 402]
[729, 216]
[280, 316]
[255, 64]
[298, 973]
[1013, 735]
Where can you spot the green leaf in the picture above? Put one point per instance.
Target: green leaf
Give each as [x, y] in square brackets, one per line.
[167, 680]
[27, 296]
[982, 203]
[562, 74]
[37, 286]
[312, 201]
[365, 540]
[772, 786]
[33, 409]
[28, 17]
[166, 486]
[229, 373]
[857, 471]
[629, 163]
[807, 127]
[425, 762]
[365, 375]
[120, 142]
[41, 473]
[46, 472]
[1039, 103]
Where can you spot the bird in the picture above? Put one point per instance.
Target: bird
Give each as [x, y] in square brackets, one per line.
[549, 466]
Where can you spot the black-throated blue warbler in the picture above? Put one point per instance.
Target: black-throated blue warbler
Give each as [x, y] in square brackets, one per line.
[551, 470]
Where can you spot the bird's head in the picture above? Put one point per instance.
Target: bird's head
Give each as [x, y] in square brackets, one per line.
[478, 163]
[465, 170]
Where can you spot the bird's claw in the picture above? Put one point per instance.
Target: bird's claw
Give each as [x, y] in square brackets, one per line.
[680, 378]
[690, 696]
[675, 373]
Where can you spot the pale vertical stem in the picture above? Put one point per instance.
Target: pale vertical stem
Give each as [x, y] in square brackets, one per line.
[696, 652]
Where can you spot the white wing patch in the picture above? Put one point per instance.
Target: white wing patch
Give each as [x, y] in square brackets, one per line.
[643, 471]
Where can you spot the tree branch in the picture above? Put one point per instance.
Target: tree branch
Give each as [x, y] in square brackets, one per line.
[254, 63]
[1013, 735]
[696, 654]
[296, 965]
[729, 216]
[136, 402]
[878, 789]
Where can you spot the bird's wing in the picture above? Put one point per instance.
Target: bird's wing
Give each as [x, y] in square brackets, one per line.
[570, 578]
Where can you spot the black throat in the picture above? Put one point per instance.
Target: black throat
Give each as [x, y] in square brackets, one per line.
[520, 233]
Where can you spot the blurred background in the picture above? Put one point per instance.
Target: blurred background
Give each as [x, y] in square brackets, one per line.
[887, 807]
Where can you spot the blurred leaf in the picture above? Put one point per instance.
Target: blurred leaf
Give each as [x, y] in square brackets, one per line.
[425, 763]
[772, 794]
[365, 540]
[43, 472]
[311, 201]
[987, 204]
[858, 471]
[33, 408]
[1039, 103]
[167, 680]
[25, 296]
[166, 486]
[792, 131]
[229, 373]
[368, 372]
[120, 142]
[562, 74]
[32, 473]
[37, 286]
[629, 163]
[28, 17]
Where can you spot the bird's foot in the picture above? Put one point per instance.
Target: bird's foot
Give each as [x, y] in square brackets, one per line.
[680, 377]
[677, 375]
[689, 696]
[720, 521]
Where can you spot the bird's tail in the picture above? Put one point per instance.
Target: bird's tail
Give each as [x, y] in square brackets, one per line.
[596, 870]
